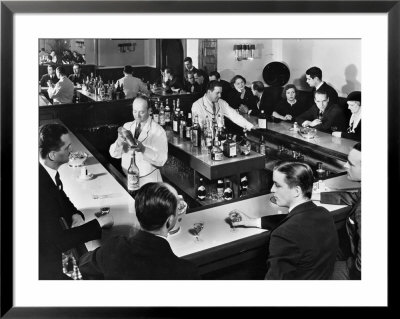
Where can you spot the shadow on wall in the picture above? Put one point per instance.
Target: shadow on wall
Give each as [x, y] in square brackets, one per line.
[227, 75]
[350, 74]
[301, 83]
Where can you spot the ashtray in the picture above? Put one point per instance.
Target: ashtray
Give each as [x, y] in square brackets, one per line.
[307, 132]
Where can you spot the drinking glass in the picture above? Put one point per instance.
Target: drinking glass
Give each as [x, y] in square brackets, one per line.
[234, 216]
[195, 231]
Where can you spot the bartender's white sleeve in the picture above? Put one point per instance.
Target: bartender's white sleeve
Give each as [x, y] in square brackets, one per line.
[234, 116]
[156, 151]
[117, 148]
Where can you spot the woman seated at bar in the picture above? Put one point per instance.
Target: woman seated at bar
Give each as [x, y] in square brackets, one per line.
[354, 130]
[241, 97]
[305, 242]
[290, 106]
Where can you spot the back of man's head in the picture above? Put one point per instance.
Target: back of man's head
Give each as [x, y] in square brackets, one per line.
[216, 74]
[314, 72]
[50, 138]
[258, 86]
[128, 69]
[154, 203]
[61, 70]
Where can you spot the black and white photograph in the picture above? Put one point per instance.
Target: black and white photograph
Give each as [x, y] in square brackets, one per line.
[189, 165]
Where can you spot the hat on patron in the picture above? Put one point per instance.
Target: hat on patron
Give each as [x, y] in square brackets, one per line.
[354, 96]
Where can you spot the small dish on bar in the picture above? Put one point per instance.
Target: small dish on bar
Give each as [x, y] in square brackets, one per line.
[307, 132]
[77, 159]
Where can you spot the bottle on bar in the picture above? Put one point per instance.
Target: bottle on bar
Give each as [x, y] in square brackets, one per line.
[156, 113]
[122, 93]
[113, 91]
[182, 125]
[262, 121]
[228, 192]
[245, 145]
[167, 114]
[201, 190]
[133, 175]
[262, 145]
[188, 129]
[176, 122]
[196, 132]
[162, 115]
[221, 132]
[118, 91]
[229, 147]
[220, 189]
[244, 184]
[208, 134]
[216, 152]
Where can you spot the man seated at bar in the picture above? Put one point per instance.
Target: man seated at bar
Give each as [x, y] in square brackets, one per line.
[190, 85]
[211, 104]
[54, 205]
[304, 243]
[77, 76]
[354, 130]
[263, 103]
[314, 80]
[350, 267]
[201, 79]
[132, 85]
[188, 63]
[323, 115]
[290, 106]
[226, 87]
[63, 91]
[152, 144]
[171, 82]
[50, 76]
[78, 58]
[146, 255]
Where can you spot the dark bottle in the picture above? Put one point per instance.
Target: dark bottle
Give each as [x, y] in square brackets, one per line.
[196, 132]
[220, 188]
[228, 192]
[122, 93]
[133, 176]
[216, 152]
[244, 184]
[320, 171]
[201, 190]
[182, 125]
[229, 147]
[176, 122]
[167, 114]
[262, 121]
[156, 113]
[262, 145]
[118, 92]
[162, 115]
[188, 129]
[245, 145]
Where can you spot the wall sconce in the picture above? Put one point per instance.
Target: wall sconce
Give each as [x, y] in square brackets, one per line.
[127, 47]
[80, 43]
[244, 51]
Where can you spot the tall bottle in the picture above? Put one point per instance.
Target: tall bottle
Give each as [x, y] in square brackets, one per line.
[208, 139]
[122, 93]
[262, 121]
[262, 145]
[220, 188]
[118, 91]
[216, 152]
[162, 115]
[133, 175]
[244, 184]
[188, 129]
[245, 145]
[176, 122]
[229, 147]
[167, 114]
[228, 192]
[156, 113]
[196, 132]
[182, 125]
[201, 190]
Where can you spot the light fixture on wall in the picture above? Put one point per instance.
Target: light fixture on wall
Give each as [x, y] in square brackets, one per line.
[244, 51]
[127, 47]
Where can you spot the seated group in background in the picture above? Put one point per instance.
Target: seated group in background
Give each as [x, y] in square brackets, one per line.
[290, 107]
[190, 84]
[201, 79]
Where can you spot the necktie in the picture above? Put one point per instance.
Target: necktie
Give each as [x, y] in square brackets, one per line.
[137, 131]
[58, 182]
[214, 108]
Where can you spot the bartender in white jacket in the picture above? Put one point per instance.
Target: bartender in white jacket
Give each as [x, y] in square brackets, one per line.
[152, 149]
[211, 105]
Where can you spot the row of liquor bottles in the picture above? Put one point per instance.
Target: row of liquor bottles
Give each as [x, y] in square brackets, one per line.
[223, 187]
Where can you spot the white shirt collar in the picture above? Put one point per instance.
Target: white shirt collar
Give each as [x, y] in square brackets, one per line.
[317, 87]
[50, 171]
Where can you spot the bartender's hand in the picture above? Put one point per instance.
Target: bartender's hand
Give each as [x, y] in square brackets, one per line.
[243, 109]
[105, 221]
[140, 147]
[49, 84]
[255, 127]
[77, 220]
[246, 221]
[288, 117]
[315, 122]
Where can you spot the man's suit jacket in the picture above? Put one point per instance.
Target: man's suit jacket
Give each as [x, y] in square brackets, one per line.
[77, 78]
[332, 94]
[46, 77]
[53, 239]
[332, 116]
[303, 245]
[143, 256]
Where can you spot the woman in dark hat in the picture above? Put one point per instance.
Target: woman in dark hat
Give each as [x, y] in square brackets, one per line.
[354, 130]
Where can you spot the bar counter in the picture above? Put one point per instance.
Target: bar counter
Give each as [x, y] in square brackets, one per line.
[219, 245]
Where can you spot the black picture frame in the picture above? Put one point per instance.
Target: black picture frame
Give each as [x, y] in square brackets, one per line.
[9, 8]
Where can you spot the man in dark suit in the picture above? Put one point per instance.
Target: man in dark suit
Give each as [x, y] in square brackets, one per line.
[226, 87]
[147, 255]
[188, 63]
[264, 101]
[314, 80]
[304, 243]
[55, 206]
[77, 76]
[323, 115]
[50, 76]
